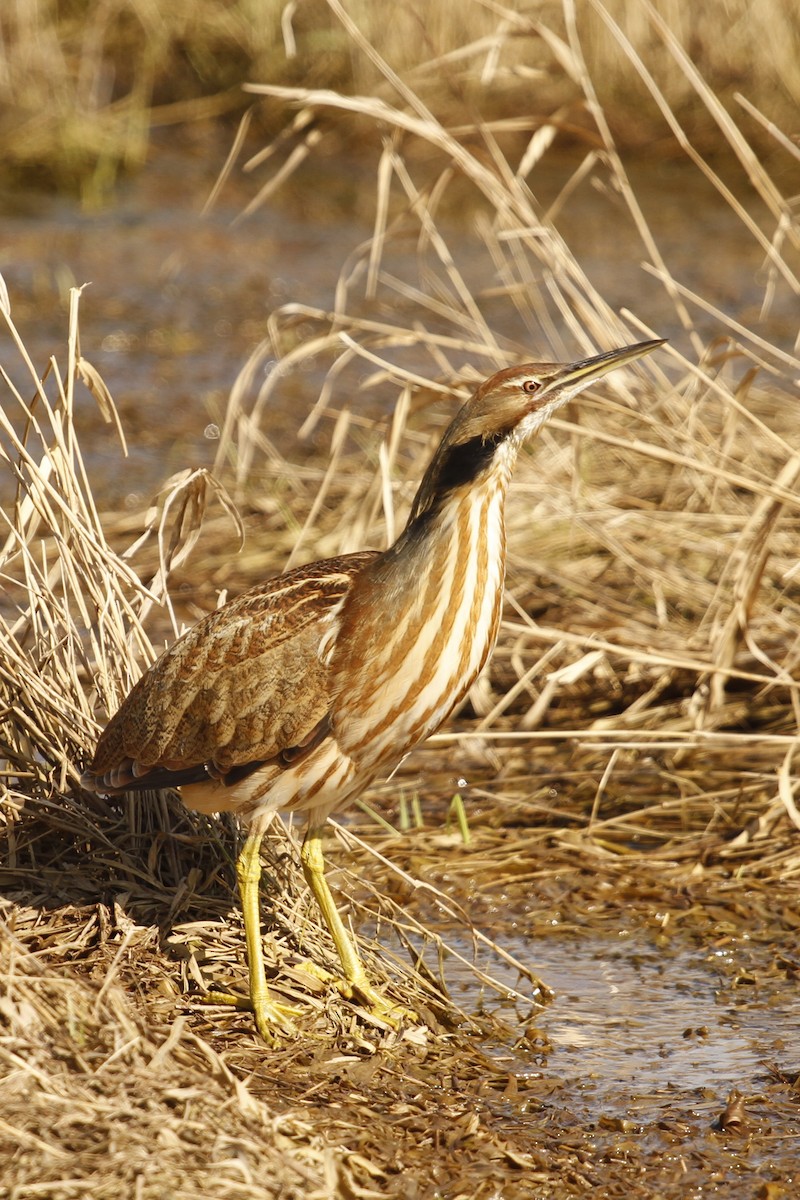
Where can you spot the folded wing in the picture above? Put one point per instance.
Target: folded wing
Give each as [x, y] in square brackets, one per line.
[243, 687]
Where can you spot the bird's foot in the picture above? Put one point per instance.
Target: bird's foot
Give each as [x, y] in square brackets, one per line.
[271, 1017]
[361, 992]
[390, 1012]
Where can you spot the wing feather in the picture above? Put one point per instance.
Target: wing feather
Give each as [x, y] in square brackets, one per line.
[245, 685]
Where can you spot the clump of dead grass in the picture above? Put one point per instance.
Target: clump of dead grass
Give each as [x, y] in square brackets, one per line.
[96, 1095]
[82, 85]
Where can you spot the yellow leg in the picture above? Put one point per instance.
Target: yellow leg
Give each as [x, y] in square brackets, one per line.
[356, 985]
[268, 1013]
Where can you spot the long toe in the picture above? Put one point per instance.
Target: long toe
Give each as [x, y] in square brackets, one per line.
[272, 1018]
[382, 1007]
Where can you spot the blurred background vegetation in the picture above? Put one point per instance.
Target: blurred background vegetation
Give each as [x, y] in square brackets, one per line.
[83, 83]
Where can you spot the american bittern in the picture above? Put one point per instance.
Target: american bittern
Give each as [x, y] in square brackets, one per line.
[303, 690]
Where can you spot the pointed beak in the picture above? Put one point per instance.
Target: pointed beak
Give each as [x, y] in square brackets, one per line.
[580, 374]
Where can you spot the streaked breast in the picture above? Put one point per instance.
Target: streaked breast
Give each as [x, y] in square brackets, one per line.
[417, 641]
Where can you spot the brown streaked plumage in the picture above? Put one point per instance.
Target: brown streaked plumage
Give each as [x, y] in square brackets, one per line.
[303, 690]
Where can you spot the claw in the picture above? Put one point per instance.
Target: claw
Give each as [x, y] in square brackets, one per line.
[389, 1011]
[270, 1016]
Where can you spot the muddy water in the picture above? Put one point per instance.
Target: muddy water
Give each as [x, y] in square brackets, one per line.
[177, 301]
[175, 304]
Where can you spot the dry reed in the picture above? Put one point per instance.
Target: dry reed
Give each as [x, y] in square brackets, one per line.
[82, 86]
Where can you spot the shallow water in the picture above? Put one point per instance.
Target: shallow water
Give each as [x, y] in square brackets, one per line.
[178, 301]
[633, 1025]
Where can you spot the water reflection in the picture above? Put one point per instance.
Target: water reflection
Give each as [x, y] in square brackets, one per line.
[632, 1021]
[177, 302]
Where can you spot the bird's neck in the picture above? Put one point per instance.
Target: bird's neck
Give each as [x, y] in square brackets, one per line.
[421, 621]
[450, 559]
[443, 576]
[456, 525]
[463, 526]
[461, 469]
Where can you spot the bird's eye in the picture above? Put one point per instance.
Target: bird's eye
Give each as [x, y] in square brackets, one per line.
[530, 386]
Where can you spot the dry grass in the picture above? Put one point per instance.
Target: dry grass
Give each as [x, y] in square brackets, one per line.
[652, 600]
[82, 85]
[640, 718]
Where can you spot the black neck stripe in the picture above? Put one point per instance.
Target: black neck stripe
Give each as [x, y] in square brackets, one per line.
[463, 463]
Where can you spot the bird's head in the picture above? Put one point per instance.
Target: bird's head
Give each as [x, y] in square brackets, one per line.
[506, 409]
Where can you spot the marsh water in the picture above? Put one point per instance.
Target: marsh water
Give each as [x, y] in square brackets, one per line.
[177, 301]
[634, 1026]
[175, 305]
